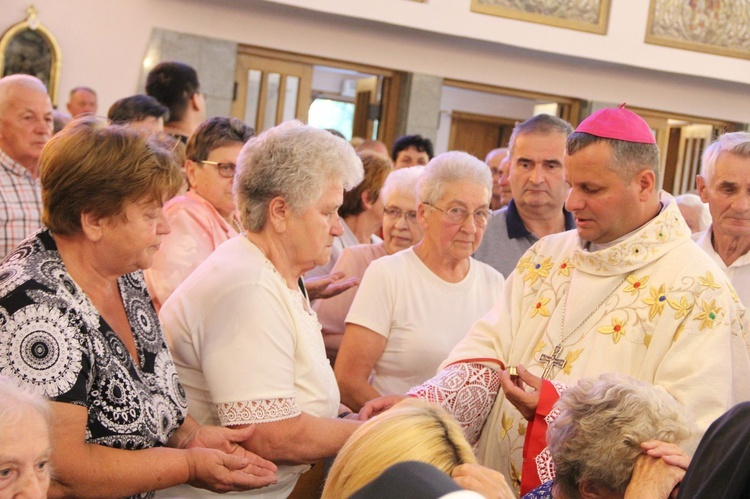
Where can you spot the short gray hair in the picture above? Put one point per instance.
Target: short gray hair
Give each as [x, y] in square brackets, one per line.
[16, 402]
[543, 124]
[602, 422]
[630, 158]
[11, 82]
[294, 161]
[736, 143]
[401, 180]
[450, 167]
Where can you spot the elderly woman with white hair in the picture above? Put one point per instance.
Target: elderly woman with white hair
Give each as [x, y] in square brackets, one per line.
[25, 446]
[414, 306]
[400, 231]
[246, 342]
[616, 437]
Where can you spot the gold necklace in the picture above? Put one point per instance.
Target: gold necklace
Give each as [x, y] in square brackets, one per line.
[553, 360]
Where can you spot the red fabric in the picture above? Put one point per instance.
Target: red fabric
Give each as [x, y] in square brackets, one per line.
[535, 441]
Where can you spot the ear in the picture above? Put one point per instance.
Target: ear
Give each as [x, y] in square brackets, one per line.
[422, 215]
[646, 183]
[367, 200]
[194, 101]
[279, 212]
[92, 226]
[190, 171]
[588, 490]
[700, 183]
[68, 106]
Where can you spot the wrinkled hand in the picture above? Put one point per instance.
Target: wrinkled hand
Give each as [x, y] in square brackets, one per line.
[488, 482]
[229, 440]
[670, 453]
[378, 405]
[221, 472]
[516, 393]
[328, 286]
[653, 478]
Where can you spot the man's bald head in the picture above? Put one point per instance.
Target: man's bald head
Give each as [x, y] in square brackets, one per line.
[12, 83]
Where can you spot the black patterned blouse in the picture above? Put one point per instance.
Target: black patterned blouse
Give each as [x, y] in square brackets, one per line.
[54, 342]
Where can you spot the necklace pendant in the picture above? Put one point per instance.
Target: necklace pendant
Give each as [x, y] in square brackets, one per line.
[552, 361]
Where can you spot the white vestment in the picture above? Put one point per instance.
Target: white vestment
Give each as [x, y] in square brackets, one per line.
[652, 306]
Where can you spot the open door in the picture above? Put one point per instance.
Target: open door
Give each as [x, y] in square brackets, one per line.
[270, 91]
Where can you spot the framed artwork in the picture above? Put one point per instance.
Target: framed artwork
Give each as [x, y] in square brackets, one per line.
[583, 15]
[713, 26]
[30, 48]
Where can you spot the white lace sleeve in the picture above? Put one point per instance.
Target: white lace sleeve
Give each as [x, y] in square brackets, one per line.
[466, 391]
[257, 411]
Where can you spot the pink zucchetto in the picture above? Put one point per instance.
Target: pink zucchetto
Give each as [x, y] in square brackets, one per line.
[618, 123]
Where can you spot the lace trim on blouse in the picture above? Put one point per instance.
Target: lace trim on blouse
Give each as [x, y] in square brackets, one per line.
[257, 411]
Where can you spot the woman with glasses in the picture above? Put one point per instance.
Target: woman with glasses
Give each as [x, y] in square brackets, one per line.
[205, 216]
[414, 306]
[400, 231]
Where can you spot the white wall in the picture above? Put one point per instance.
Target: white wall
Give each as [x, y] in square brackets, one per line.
[104, 42]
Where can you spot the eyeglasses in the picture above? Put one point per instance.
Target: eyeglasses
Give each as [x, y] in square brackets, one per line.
[458, 215]
[395, 213]
[226, 170]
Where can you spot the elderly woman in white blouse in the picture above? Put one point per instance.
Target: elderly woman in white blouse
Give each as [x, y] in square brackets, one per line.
[246, 343]
[400, 231]
[414, 306]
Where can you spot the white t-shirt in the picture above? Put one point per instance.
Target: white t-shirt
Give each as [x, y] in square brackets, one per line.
[245, 347]
[421, 315]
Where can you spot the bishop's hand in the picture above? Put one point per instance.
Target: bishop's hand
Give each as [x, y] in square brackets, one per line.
[522, 391]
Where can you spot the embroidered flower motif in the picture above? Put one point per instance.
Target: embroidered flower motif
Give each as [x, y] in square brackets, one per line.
[538, 270]
[524, 264]
[709, 281]
[708, 315]
[656, 301]
[682, 308]
[647, 340]
[522, 428]
[571, 357]
[616, 329]
[565, 268]
[539, 347]
[638, 250]
[540, 308]
[635, 283]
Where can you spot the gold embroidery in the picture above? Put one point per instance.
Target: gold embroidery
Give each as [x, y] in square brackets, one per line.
[682, 308]
[708, 315]
[709, 281]
[538, 270]
[570, 358]
[616, 329]
[635, 283]
[655, 301]
[540, 308]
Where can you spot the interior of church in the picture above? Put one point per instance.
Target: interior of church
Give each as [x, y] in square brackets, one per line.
[458, 72]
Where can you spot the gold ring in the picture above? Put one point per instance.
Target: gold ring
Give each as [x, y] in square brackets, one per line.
[512, 370]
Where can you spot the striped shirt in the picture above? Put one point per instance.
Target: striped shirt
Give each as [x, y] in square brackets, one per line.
[20, 204]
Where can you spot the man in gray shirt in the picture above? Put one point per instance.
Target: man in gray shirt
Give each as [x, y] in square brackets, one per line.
[536, 148]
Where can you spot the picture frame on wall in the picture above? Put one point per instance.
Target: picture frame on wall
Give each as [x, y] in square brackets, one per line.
[717, 27]
[583, 15]
[28, 47]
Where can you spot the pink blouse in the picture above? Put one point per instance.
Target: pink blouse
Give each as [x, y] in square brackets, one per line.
[197, 230]
[352, 262]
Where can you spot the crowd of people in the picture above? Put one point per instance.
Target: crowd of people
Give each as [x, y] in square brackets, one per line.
[188, 308]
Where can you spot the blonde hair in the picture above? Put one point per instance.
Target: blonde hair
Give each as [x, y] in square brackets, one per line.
[413, 430]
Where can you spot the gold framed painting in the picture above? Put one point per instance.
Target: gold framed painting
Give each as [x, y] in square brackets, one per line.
[716, 27]
[30, 48]
[582, 15]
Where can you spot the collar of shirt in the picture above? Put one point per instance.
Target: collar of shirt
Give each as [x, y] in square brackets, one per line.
[516, 228]
[13, 166]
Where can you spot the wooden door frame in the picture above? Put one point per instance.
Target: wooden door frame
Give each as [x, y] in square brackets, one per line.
[480, 118]
[389, 91]
[569, 107]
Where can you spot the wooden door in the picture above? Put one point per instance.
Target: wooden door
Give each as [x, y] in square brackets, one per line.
[270, 91]
[478, 134]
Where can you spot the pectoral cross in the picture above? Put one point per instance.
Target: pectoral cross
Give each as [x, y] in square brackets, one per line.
[552, 361]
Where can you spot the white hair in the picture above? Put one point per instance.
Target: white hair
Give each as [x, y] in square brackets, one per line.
[16, 402]
[736, 143]
[450, 167]
[401, 180]
[11, 82]
[294, 161]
